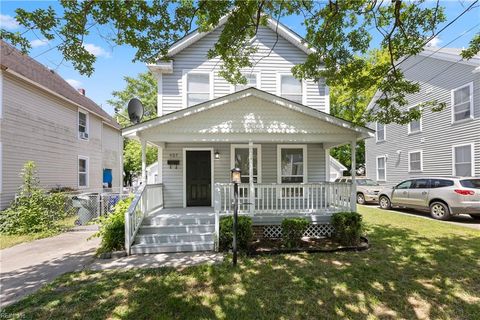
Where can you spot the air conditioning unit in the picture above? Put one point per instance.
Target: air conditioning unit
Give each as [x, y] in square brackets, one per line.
[83, 135]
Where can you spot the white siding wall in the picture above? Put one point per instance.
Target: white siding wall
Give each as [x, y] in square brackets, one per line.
[112, 146]
[282, 58]
[438, 134]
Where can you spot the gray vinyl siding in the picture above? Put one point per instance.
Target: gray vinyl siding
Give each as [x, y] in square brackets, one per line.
[173, 177]
[438, 134]
[40, 127]
[281, 59]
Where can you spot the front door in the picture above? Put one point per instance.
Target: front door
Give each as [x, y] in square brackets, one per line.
[198, 178]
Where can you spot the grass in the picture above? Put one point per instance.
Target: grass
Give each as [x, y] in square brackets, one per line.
[7, 241]
[415, 269]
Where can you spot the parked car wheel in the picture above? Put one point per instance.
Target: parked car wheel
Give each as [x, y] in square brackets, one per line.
[384, 202]
[360, 198]
[475, 217]
[439, 211]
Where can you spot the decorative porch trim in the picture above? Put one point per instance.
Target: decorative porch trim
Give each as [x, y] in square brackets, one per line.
[212, 173]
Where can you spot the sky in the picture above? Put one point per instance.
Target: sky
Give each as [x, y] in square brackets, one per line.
[114, 63]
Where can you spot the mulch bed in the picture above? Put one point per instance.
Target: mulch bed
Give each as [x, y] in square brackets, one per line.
[276, 246]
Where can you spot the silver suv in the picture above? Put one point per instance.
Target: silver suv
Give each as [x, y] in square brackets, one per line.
[367, 189]
[443, 197]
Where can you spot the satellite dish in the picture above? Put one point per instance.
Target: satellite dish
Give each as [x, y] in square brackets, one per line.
[135, 110]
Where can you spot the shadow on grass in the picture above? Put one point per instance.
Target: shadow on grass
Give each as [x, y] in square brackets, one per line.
[403, 275]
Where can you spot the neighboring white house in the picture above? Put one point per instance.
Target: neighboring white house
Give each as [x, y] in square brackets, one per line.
[445, 143]
[42, 118]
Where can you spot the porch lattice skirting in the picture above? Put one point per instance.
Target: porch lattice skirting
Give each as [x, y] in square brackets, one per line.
[275, 231]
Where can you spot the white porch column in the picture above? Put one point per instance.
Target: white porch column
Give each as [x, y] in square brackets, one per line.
[250, 178]
[144, 161]
[353, 200]
[160, 165]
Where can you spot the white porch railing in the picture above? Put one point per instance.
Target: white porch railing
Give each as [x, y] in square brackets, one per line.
[147, 199]
[322, 198]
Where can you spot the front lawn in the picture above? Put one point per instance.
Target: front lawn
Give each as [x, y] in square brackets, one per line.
[416, 268]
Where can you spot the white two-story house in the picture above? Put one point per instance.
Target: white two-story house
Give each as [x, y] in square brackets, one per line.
[445, 143]
[276, 129]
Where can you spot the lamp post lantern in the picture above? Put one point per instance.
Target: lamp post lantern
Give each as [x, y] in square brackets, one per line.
[236, 179]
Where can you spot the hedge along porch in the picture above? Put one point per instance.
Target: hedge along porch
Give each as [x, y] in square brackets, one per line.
[281, 146]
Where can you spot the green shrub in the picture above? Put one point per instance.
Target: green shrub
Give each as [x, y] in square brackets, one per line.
[244, 233]
[348, 227]
[292, 231]
[112, 228]
[34, 210]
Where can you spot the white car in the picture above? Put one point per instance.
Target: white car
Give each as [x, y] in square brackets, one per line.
[367, 189]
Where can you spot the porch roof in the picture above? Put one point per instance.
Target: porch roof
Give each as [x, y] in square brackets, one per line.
[248, 115]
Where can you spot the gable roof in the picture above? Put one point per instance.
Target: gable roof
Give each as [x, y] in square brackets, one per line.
[285, 32]
[249, 92]
[23, 65]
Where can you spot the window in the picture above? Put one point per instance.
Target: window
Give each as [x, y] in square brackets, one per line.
[198, 88]
[291, 162]
[462, 103]
[252, 81]
[415, 125]
[82, 125]
[404, 185]
[82, 172]
[381, 168]
[420, 184]
[463, 160]
[471, 183]
[240, 160]
[380, 132]
[291, 88]
[440, 183]
[415, 159]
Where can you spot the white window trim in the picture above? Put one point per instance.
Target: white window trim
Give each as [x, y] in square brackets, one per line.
[279, 86]
[384, 132]
[409, 162]
[472, 159]
[185, 74]
[257, 74]
[471, 103]
[279, 160]
[385, 169]
[212, 173]
[87, 169]
[420, 120]
[259, 157]
[87, 116]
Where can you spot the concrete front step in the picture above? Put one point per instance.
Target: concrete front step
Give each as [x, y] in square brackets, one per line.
[170, 220]
[161, 248]
[174, 239]
[191, 229]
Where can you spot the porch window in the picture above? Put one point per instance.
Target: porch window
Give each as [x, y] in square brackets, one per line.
[198, 88]
[252, 81]
[415, 125]
[415, 159]
[380, 132]
[462, 103]
[290, 88]
[240, 160]
[381, 168]
[82, 172]
[292, 164]
[463, 160]
[82, 125]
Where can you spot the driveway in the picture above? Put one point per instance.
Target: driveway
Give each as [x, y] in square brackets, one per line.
[24, 268]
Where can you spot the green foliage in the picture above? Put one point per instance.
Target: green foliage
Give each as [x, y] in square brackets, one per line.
[34, 210]
[348, 227]
[112, 228]
[244, 233]
[292, 231]
[132, 157]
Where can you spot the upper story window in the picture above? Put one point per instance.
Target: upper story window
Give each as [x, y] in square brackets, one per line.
[463, 164]
[462, 103]
[198, 88]
[83, 125]
[252, 81]
[382, 168]
[291, 162]
[415, 159]
[415, 125]
[291, 88]
[82, 172]
[240, 160]
[381, 134]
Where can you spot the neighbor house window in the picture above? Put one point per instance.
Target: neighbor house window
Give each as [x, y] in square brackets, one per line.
[83, 125]
[415, 159]
[291, 88]
[380, 132]
[82, 172]
[463, 160]
[415, 125]
[292, 163]
[240, 160]
[252, 81]
[462, 103]
[381, 168]
[198, 88]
